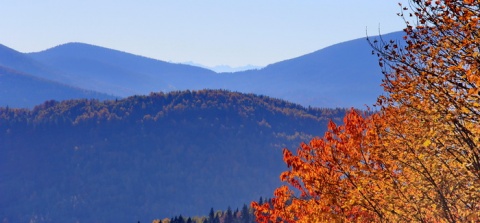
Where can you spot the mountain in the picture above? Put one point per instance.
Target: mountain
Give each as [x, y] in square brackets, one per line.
[229, 69]
[225, 68]
[14, 60]
[119, 73]
[146, 157]
[341, 75]
[34, 89]
[20, 89]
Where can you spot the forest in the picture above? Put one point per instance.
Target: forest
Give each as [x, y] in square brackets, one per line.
[415, 158]
[146, 157]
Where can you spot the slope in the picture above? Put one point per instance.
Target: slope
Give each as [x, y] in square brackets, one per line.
[341, 75]
[119, 73]
[14, 60]
[146, 157]
[19, 90]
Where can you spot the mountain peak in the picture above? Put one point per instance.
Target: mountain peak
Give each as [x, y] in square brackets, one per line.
[77, 48]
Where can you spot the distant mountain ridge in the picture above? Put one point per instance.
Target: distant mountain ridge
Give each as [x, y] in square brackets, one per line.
[225, 68]
[341, 75]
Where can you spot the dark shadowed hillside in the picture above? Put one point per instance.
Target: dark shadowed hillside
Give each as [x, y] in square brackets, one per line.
[21, 90]
[14, 60]
[25, 82]
[146, 157]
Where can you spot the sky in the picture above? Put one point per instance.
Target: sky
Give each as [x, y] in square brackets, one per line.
[208, 32]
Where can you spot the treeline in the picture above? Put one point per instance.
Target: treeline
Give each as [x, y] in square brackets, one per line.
[160, 105]
[243, 215]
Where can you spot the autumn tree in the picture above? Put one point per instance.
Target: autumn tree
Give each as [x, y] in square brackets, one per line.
[329, 174]
[418, 158]
[432, 85]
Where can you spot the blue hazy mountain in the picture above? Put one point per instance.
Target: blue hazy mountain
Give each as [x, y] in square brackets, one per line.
[20, 89]
[119, 73]
[35, 89]
[14, 60]
[341, 75]
[225, 68]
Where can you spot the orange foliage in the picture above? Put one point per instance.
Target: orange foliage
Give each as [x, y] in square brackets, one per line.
[418, 158]
[329, 175]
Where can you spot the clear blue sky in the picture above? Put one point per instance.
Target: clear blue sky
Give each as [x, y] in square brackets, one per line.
[209, 32]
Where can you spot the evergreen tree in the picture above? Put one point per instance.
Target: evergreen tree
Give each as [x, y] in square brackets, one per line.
[245, 215]
[180, 219]
[236, 215]
[229, 216]
[211, 216]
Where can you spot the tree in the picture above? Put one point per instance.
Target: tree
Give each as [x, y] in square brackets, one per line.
[245, 214]
[432, 84]
[333, 176]
[229, 216]
[418, 158]
[211, 216]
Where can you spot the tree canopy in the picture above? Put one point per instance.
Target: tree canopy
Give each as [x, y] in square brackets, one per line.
[416, 159]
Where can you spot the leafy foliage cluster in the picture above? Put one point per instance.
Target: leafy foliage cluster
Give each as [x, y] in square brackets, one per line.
[418, 158]
[145, 156]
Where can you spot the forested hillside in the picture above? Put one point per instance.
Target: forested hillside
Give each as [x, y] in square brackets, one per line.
[146, 157]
